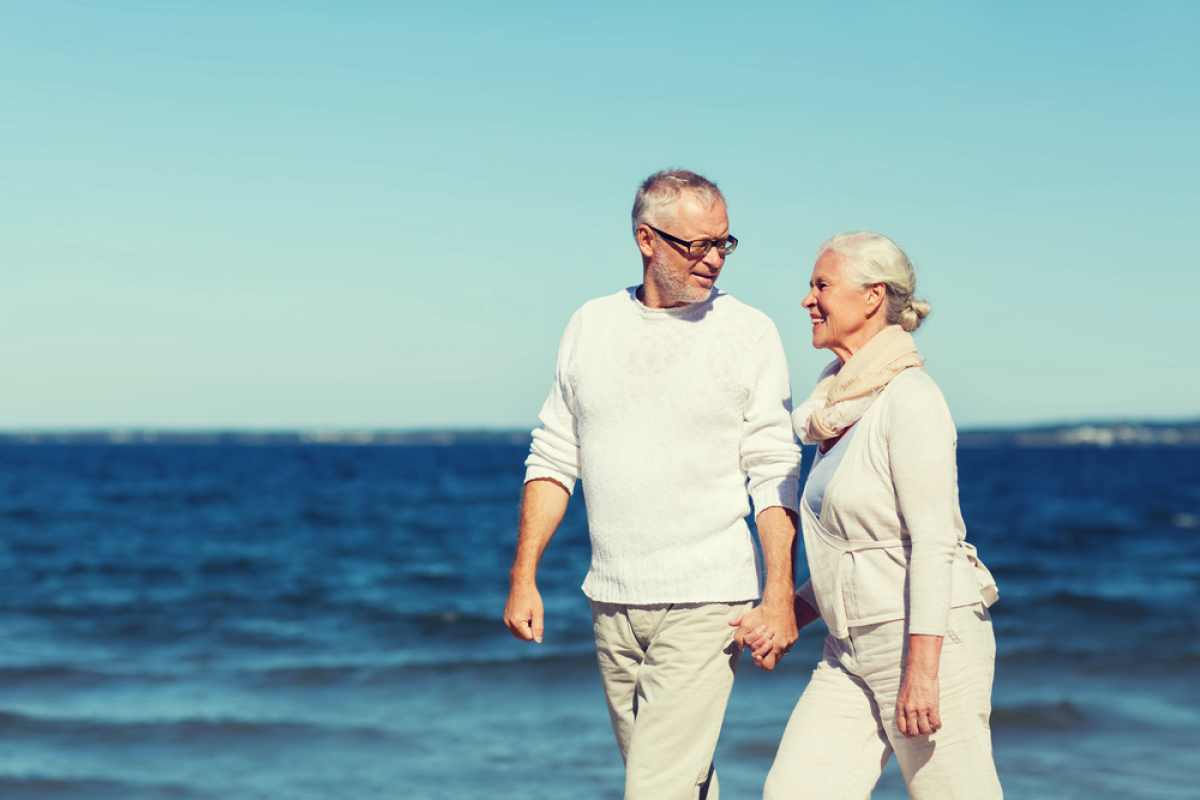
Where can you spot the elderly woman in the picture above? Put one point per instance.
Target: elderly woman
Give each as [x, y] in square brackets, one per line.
[908, 662]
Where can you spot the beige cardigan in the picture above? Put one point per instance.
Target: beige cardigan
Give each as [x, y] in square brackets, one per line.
[890, 542]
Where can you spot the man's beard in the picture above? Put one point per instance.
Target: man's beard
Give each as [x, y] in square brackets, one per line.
[673, 285]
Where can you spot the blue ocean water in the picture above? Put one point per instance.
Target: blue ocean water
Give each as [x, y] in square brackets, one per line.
[323, 622]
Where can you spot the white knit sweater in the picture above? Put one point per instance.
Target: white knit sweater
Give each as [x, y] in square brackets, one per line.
[669, 417]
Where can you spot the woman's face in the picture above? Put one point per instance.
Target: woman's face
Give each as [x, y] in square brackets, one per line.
[840, 311]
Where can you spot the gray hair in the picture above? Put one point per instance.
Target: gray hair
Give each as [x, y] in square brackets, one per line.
[871, 258]
[656, 197]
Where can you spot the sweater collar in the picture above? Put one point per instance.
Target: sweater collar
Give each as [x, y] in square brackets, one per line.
[691, 311]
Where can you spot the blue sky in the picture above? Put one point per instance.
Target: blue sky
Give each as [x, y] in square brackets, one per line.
[274, 215]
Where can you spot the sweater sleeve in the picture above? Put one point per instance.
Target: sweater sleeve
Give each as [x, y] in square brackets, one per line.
[554, 452]
[921, 450]
[769, 454]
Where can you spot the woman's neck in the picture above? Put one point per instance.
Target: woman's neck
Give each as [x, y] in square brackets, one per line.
[855, 341]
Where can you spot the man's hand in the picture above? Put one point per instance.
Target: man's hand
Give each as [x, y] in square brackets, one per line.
[543, 504]
[769, 629]
[523, 613]
[777, 535]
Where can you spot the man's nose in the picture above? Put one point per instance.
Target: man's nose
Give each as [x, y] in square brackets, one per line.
[715, 257]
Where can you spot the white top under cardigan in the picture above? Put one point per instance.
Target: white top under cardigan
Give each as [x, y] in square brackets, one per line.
[890, 541]
[823, 468]
[673, 418]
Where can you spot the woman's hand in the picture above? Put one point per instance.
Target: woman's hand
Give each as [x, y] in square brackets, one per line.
[759, 642]
[917, 703]
[760, 639]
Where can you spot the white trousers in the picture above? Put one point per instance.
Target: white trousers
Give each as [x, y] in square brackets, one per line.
[843, 730]
[667, 672]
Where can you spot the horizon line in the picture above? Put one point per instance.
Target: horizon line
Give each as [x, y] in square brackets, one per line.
[214, 430]
[1043, 435]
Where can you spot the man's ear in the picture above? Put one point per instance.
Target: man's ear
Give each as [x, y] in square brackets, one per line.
[645, 241]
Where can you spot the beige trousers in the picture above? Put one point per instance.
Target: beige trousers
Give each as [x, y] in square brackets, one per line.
[843, 730]
[667, 672]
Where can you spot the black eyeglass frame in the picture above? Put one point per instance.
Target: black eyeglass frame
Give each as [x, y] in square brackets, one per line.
[730, 245]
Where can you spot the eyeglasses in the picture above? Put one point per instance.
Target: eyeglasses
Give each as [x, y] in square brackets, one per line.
[699, 248]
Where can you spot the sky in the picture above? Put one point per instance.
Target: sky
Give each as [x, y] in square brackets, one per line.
[381, 215]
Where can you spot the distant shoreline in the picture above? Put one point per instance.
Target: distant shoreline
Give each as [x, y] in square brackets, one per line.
[1101, 434]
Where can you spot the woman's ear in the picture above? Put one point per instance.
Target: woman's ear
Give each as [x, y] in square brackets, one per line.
[876, 297]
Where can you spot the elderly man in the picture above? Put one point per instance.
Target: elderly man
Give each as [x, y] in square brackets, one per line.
[671, 402]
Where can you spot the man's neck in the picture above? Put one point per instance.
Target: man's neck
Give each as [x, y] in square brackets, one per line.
[650, 299]
[653, 299]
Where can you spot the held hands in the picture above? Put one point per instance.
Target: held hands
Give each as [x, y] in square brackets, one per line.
[761, 638]
[523, 613]
[769, 630]
[760, 641]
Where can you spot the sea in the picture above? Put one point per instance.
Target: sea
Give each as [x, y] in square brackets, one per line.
[321, 622]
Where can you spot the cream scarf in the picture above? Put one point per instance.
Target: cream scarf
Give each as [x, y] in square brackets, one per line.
[844, 394]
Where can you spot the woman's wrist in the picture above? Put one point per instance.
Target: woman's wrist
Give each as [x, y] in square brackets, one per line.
[924, 655]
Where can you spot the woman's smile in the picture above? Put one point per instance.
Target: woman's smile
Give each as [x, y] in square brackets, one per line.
[841, 312]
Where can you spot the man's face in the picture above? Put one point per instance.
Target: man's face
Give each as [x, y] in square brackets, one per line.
[674, 278]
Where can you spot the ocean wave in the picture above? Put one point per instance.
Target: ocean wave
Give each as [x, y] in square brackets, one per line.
[45, 788]
[219, 732]
[74, 675]
[24, 514]
[1096, 655]
[401, 667]
[1059, 716]
[1075, 530]
[567, 659]
[451, 616]
[1129, 607]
